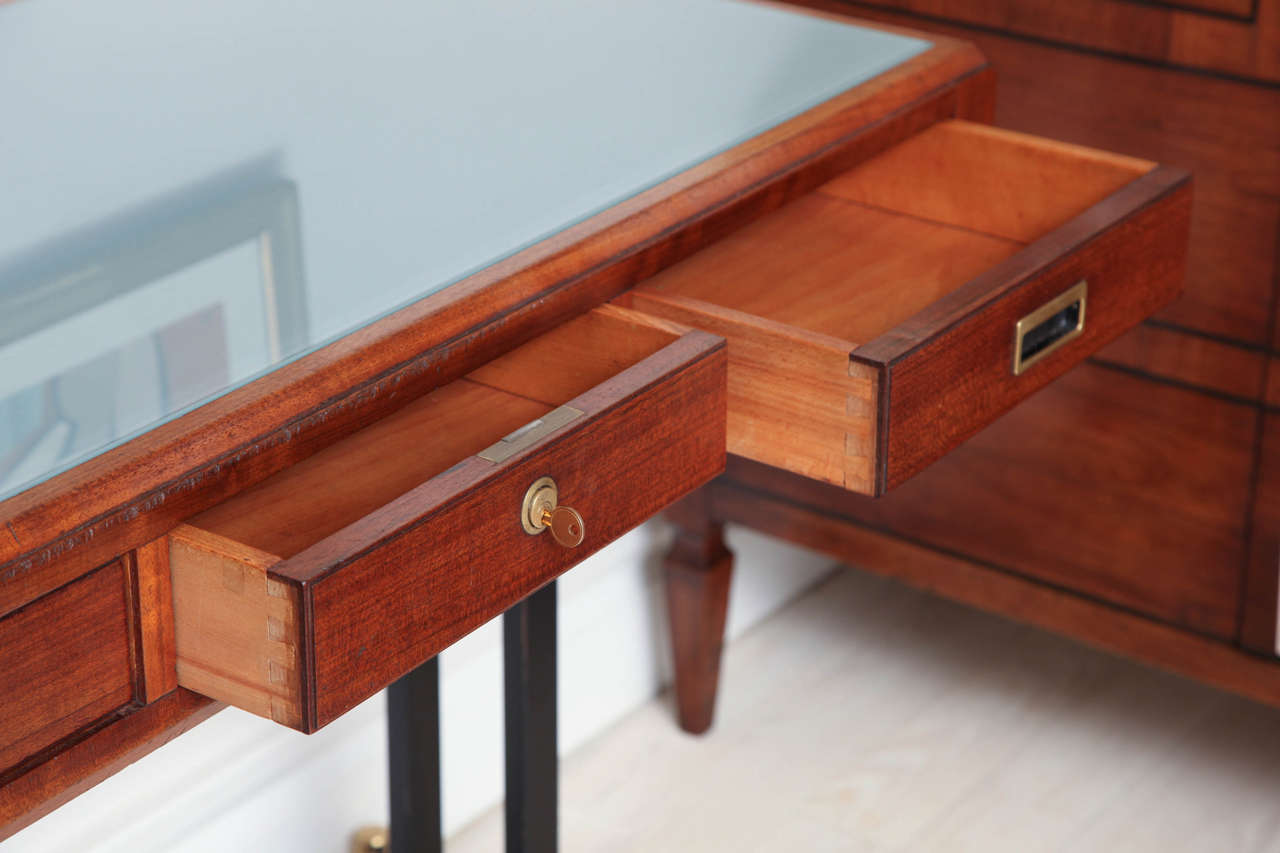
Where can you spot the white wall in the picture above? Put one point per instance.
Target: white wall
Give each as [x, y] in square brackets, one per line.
[238, 782]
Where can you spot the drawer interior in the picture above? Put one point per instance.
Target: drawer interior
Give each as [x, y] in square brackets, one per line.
[878, 244]
[372, 467]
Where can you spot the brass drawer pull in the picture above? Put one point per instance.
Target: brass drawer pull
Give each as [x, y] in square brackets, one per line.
[1048, 327]
[542, 511]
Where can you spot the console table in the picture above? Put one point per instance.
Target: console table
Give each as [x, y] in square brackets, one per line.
[325, 344]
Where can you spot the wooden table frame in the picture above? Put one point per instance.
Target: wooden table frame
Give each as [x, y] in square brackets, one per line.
[112, 510]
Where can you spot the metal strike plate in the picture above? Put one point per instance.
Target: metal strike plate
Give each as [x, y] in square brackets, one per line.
[1047, 328]
[530, 434]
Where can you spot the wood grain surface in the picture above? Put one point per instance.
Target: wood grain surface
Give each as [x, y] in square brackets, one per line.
[79, 766]
[949, 367]
[360, 543]
[394, 589]
[154, 615]
[795, 401]
[989, 180]
[238, 632]
[983, 586]
[1242, 39]
[1260, 628]
[915, 261]
[65, 663]
[1220, 367]
[1118, 489]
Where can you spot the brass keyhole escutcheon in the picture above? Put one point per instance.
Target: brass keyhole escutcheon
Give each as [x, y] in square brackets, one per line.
[542, 511]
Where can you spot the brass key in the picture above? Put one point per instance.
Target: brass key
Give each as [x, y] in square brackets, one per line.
[566, 525]
[541, 511]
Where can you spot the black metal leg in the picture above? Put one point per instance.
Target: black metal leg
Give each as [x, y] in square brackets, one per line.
[413, 726]
[529, 661]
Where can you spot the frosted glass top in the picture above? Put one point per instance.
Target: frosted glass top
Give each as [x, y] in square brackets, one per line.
[192, 194]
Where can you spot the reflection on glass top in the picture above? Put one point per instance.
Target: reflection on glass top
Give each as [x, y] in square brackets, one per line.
[193, 194]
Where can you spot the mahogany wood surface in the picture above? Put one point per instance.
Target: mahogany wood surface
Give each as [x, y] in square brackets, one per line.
[154, 614]
[1241, 39]
[1122, 490]
[947, 370]
[238, 631]
[460, 555]
[134, 494]
[1261, 617]
[844, 270]
[988, 180]
[816, 524]
[1219, 367]
[697, 571]
[1271, 396]
[102, 752]
[298, 507]
[65, 663]
[794, 398]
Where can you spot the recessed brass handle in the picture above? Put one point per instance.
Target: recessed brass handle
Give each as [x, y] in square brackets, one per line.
[542, 511]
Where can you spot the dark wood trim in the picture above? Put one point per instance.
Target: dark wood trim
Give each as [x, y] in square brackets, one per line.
[1260, 585]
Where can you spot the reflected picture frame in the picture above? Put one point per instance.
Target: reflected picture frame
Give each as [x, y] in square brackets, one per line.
[211, 294]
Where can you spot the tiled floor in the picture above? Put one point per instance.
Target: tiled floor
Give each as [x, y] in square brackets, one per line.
[869, 717]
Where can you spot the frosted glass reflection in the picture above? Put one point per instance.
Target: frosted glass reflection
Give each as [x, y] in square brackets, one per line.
[416, 142]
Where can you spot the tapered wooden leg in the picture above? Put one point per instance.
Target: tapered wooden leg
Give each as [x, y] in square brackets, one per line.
[698, 570]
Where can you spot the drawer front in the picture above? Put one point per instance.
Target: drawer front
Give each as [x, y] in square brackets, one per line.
[65, 662]
[463, 561]
[305, 638]
[953, 368]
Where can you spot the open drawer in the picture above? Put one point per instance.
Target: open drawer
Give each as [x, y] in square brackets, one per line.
[310, 591]
[880, 320]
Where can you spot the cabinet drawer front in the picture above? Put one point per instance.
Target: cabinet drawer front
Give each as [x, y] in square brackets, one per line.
[65, 662]
[876, 323]
[297, 621]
